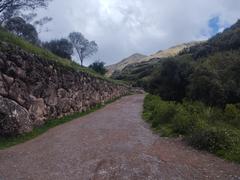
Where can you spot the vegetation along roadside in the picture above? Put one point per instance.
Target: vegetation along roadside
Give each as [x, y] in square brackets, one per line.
[206, 128]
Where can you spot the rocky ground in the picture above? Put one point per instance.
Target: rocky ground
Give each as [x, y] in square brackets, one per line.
[112, 143]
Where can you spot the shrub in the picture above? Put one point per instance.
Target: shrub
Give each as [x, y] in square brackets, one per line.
[215, 115]
[183, 122]
[99, 67]
[190, 116]
[205, 87]
[157, 111]
[232, 115]
[61, 47]
[163, 113]
[206, 128]
[211, 139]
[149, 105]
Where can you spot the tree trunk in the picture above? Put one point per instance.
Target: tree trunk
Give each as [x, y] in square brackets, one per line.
[81, 62]
[80, 57]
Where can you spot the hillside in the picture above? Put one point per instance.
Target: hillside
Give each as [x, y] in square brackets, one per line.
[225, 44]
[135, 59]
[171, 52]
[196, 94]
[123, 63]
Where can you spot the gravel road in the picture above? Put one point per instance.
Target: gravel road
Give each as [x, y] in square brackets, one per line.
[111, 143]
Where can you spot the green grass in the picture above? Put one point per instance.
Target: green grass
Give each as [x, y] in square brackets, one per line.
[45, 54]
[206, 128]
[11, 141]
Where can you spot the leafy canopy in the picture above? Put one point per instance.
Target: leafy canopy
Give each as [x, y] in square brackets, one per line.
[61, 47]
[98, 66]
[19, 27]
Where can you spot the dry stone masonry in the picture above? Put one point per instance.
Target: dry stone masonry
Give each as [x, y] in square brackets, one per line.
[33, 90]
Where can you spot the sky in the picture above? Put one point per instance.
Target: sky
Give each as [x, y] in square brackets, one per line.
[124, 27]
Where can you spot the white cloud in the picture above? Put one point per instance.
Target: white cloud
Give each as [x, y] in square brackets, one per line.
[124, 27]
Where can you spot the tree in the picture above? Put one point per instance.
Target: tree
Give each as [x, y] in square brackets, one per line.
[98, 66]
[171, 80]
[39, 23]
[62, 48]
[205, 86]
[19, 27]
[8, 8]
[83, 47]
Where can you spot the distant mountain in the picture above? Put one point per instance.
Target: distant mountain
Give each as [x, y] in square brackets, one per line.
[171, 52]
[139, 58]
[123, 63]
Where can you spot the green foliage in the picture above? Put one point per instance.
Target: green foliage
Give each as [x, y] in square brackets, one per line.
[205, 86]
[98, 67]
[212, 139]
[183, 122]
[207, 72]
[136, 73]
[206, 128]
[214, 80]
[232, 114]
[61, 47]
[163, 113]
[20, 28]
[171, 81]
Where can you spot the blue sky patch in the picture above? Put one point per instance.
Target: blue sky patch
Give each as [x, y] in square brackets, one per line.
[214, 25]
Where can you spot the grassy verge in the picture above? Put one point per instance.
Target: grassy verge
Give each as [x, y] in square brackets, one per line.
[11, 141]
[45, 54]
[205, 128]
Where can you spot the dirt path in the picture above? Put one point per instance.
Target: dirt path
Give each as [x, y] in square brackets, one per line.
[112, 143]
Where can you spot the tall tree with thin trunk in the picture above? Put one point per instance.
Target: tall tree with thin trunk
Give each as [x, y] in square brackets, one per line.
[83, 47]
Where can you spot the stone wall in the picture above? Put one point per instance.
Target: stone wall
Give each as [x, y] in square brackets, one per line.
[33, 90]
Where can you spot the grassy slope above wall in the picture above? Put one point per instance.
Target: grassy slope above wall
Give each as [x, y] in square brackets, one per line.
[43, 53]
[205, 128]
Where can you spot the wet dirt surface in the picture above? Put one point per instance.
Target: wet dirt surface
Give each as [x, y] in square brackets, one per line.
[112, 143]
